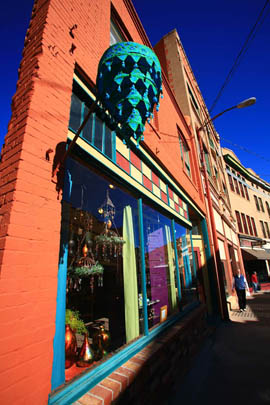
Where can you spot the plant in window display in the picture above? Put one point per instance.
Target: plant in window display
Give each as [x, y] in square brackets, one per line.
[109, 242]
[82, 263]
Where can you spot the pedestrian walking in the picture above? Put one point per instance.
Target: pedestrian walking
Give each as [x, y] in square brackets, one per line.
[254, 281]
[240, 285]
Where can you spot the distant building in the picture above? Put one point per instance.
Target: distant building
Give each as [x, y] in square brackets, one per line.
[183, 82]
[250, 201]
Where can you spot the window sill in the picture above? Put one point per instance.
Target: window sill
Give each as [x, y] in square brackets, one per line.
[115, 375]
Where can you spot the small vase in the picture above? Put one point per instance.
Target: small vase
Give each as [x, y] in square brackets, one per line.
[70, 347]
[86, 356]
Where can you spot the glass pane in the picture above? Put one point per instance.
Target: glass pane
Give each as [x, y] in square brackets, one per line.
[88, 129]
[186, 266]
[98, 137]
[75, 112]
[104, 279]
[115, 35]
[108, 142]
[160, 266]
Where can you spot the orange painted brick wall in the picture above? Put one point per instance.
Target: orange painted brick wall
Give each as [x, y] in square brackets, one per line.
[30, 205]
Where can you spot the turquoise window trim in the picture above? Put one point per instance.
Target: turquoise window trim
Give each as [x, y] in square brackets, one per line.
[93, 132]
[80, 386]
[143, 271]
[58, 367]
[113, 146]
[176, 263]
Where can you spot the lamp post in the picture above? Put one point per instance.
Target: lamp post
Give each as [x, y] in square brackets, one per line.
[219, 269]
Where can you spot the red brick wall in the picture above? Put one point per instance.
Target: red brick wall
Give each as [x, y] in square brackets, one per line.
[30, 206]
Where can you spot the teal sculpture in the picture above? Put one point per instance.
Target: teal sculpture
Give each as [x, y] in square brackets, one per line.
[129, 86]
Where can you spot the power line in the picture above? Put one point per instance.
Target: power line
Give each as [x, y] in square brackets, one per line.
[245, 149]
[243, 50]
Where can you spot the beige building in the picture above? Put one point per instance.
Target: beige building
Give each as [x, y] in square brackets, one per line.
[250, 201]
[179, 72]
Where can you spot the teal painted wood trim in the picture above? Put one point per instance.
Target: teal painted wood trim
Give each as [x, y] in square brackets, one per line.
[58, 368]
[176, 263]
[114, 147]
[193, 254]
[143, 272]
[79, 387]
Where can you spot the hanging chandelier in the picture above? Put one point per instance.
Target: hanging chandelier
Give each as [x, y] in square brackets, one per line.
[129, 86]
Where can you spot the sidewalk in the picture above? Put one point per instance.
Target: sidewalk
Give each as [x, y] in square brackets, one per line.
[234, 365]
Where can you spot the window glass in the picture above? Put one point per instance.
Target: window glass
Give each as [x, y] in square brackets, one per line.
[185, 155]
[88, 129]
[263, 230]
[244, 223]
[95, 131]
[108, 143]
[115, 35]
[161, 285]
[231, 182]
[268, 208]
[267, 230]
[249, 225]
[239, 223]
[187, 268]
[206, 157]
[261, 204]
[104, 280]
[256, 203]
[75, 112]
[98, 138]
[254, 226]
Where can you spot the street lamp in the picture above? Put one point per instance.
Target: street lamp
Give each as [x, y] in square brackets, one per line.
[245, 103]
[220, 283]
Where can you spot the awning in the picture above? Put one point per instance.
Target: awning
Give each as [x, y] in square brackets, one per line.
[256, 254]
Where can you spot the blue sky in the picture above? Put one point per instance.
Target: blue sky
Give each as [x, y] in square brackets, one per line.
[212, 33]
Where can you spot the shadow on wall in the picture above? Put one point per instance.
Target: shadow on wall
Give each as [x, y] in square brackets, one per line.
[59, 167]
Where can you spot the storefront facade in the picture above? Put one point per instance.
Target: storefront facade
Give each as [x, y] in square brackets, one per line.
[116, 245]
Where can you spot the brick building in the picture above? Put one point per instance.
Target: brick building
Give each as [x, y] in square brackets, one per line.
[149, 285]
[250, 201]
[183, 82]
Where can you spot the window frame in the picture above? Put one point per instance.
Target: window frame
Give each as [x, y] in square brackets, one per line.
[254, 226]
[185, 154]
[262, 228]
[256, 202]
[239, 222]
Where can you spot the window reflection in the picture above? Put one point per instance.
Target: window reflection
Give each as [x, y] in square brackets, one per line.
[187, 267]
[103, 283]
[160, 266]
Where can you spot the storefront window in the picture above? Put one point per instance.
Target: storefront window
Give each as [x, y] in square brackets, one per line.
[103, 283]
[187, 268]
[162, 295]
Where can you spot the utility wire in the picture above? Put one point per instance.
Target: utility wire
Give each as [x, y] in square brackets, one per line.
[244, 48]
[245, 149]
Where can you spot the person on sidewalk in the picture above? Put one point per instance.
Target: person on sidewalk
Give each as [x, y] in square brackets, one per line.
[254, 281]
[240, 285]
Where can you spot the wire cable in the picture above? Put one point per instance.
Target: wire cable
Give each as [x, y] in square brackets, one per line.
[243, 50]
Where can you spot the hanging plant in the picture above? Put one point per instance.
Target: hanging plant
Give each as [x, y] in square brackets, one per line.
[107, 240]
[86, 271]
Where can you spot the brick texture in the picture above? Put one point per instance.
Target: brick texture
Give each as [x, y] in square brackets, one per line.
[30, 203]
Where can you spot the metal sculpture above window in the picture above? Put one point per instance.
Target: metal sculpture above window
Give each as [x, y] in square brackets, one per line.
[129, 86]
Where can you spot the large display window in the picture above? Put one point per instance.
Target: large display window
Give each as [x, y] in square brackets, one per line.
[103, 275]
[125, 262]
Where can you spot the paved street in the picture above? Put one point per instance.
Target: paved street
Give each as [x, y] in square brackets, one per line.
[234, 364]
